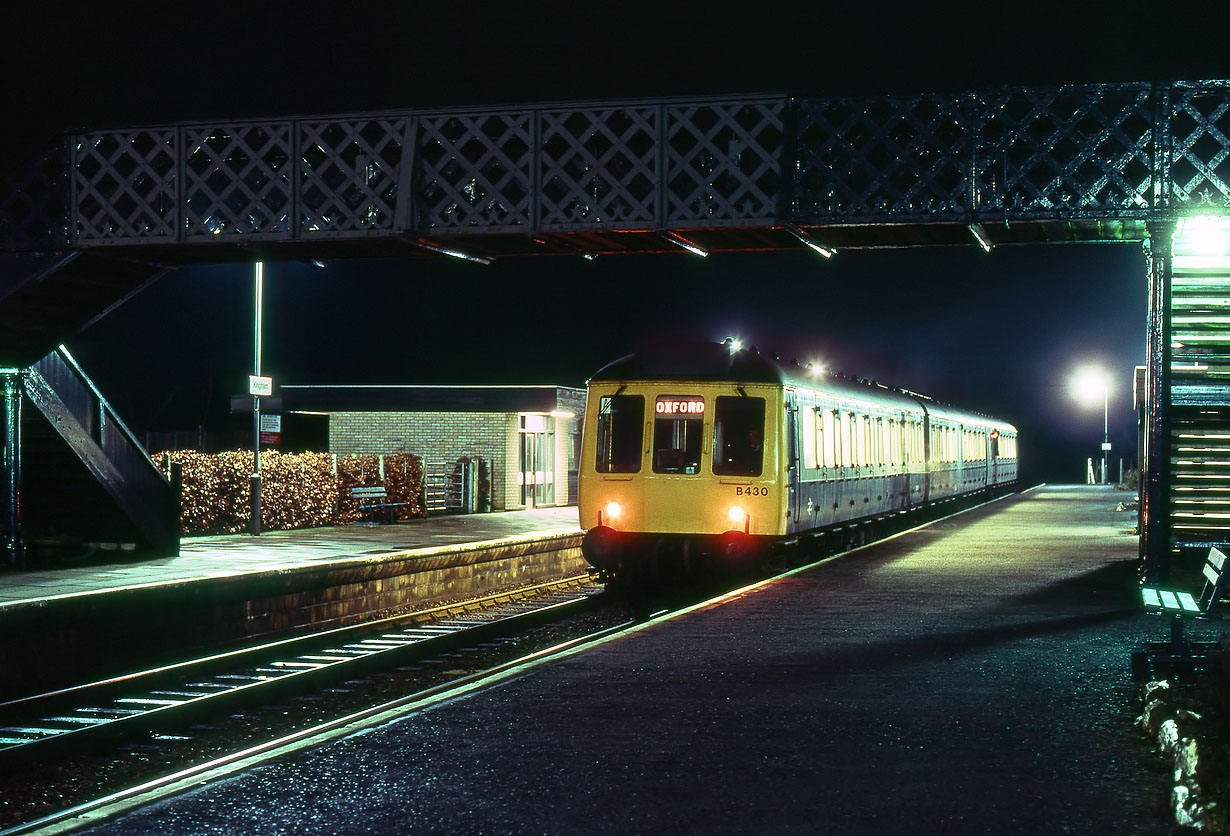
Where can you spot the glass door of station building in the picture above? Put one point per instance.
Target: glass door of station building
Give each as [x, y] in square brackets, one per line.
[537, 468]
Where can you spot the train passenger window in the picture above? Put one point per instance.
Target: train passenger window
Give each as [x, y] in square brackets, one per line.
[620, 422]
[678, 434]
[738, 436]
[847, 446]
[809, 436]
[828, 428]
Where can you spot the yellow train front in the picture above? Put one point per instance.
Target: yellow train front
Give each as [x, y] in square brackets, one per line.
[704, 456]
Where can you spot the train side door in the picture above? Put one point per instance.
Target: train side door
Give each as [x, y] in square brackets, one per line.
[993, 457]
[792, 455]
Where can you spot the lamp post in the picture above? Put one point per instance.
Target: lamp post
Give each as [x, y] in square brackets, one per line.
[255, 522]
[1087, 385]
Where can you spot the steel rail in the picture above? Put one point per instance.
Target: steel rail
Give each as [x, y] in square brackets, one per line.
[159, 698]
[92, 812]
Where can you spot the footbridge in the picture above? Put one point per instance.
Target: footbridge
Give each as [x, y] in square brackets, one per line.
[105, 212]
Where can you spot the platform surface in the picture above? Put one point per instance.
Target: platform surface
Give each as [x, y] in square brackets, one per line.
[968, 677]
[227, 556]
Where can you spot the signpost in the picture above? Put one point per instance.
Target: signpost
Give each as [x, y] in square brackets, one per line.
[257, 386]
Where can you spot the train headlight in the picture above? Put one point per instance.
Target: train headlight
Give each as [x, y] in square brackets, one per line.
[736, 514]
[613, 510]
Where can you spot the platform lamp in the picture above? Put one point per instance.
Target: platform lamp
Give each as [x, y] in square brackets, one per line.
[1088, 384]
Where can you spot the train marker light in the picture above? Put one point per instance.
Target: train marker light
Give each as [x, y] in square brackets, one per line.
[613, 510]
[736, 514]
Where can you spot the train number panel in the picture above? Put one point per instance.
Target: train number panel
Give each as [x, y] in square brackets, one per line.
[710, 456]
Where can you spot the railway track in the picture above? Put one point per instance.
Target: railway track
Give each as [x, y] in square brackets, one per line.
[154, 700]
[171, 724]
[176, 719]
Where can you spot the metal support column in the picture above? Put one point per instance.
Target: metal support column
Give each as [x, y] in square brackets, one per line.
[1155, 493]
[14, 549]
[259, 284]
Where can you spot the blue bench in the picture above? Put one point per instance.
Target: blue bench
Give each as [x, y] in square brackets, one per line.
[373, 500]
[1180, 656]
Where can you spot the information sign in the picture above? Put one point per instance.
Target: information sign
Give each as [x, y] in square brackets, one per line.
[271, 429]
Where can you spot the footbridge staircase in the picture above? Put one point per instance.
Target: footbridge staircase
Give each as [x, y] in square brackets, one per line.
[105, 212]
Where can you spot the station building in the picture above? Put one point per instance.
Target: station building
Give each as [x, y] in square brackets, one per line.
[529, 436]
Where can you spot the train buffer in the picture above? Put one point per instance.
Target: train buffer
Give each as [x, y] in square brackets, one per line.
[373, 500]
[1179, 657]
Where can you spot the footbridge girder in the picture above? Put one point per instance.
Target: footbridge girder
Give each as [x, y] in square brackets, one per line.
[1068, 163]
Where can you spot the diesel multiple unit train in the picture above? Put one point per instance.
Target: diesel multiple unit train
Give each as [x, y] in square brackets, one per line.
[708, 454]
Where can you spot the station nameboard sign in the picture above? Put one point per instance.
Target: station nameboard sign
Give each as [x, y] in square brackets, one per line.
[260, 386]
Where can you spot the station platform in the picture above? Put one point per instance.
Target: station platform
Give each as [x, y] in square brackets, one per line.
[969, 676]
[237, 555]
[103, 615]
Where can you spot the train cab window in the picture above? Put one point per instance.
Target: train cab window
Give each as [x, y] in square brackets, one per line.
[678, 434]
[738, 436]
[620, 422]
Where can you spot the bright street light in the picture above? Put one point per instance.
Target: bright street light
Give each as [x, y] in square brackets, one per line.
[1087, 386]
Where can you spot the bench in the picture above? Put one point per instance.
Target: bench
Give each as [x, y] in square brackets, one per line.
[373, 500]
[1179, 654]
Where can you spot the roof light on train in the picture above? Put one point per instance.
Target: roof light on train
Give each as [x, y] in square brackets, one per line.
[736, 513]
[613, 510]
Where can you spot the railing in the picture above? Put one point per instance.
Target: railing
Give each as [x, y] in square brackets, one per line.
[1102, 152]
[138, 476]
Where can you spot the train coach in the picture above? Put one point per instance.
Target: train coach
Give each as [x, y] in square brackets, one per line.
[707, 454]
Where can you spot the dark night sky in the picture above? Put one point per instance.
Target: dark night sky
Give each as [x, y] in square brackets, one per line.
[1000, 333]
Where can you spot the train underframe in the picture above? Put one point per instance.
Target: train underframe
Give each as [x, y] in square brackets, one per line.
[637, 557]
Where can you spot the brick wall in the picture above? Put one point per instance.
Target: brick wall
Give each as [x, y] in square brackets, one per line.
[447, 436]
[435, 436]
